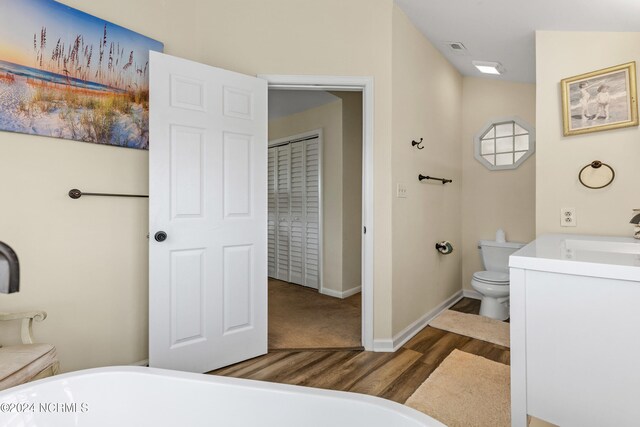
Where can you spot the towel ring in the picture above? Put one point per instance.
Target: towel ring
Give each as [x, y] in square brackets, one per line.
[596, 164]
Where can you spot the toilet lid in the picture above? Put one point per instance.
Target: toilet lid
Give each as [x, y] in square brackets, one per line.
[491, 277]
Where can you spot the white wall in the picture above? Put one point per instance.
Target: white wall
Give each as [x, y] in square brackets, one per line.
[427, 100]
[559, 159]
[494, 199]
[85, 261]
[328, 118]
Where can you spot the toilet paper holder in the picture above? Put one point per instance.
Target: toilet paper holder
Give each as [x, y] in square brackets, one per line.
[444, 247]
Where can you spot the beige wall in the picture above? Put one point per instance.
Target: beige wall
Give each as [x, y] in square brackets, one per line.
[351, 189]
[327, 117]
[427, 96]
[85, 261]
[494, 199]
[332, 37]
[559, 159]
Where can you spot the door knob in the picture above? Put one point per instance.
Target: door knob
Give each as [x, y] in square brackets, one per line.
[160, 236]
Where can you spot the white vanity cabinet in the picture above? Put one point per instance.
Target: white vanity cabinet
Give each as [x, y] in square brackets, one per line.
[575, 331]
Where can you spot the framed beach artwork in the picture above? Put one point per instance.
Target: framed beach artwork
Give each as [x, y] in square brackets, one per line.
[68, 74]
[600, 100]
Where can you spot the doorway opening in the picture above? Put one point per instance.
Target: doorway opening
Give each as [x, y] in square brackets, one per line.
[320, 212]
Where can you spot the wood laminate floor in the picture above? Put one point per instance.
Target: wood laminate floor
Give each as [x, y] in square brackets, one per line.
[393, 376]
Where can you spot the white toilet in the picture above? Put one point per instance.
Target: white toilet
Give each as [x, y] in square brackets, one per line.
[493, 283]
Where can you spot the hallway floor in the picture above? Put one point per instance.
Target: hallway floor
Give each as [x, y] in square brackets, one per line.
[302, 318]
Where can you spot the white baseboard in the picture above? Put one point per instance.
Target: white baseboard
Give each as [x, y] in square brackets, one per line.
[330, 292]
[352, 291]
[339, 294]
[387, 345]
[383, 346]
[471, 293]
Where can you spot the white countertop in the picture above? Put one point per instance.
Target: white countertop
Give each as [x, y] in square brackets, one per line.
[597, 256]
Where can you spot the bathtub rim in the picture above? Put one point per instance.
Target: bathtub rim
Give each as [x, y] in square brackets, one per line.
[399, 408]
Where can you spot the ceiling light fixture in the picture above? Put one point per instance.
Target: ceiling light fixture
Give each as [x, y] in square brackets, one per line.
[488, 67]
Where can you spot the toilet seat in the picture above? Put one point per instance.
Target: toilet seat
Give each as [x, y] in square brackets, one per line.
[491, 277]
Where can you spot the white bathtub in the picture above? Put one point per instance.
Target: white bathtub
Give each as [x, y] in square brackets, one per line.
[137, 396]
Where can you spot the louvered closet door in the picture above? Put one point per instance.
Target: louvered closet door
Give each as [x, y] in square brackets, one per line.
[272, 213]
[312, 211]
[294, 213]
[283, 160]
[297, 214]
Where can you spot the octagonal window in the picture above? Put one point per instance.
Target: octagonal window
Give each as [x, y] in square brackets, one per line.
[505, 143]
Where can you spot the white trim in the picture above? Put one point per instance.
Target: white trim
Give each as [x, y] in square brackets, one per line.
[320, 210]
[304, 82]
[410, 331]
[367, 214]
[315, 87]
[471, 293]
[340, 294]
[317, 133]
[364, 84]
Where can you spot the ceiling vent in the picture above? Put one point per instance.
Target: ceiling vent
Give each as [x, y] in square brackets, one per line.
[456, 48]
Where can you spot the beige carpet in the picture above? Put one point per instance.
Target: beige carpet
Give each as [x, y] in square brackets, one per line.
[302, 318]
[466, 391]
[474, 326]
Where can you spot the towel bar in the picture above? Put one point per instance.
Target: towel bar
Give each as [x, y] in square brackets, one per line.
[444, 180]
[76, 194]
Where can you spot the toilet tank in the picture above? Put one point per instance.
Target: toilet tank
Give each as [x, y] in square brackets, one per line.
[495, 255]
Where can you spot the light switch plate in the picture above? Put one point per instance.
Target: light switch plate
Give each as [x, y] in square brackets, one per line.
[401, 191]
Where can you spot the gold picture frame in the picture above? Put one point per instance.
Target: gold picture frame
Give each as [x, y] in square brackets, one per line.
[600, 100]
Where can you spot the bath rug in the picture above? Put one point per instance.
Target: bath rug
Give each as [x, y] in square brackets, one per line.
[466, 391]
[474, 326]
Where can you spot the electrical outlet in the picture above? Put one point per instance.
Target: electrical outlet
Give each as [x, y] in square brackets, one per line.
[401, 191]
[568, 217]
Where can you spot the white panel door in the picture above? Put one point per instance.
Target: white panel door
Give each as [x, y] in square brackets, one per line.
[207, 187]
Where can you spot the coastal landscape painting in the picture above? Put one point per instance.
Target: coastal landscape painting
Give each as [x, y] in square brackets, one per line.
[68, 74]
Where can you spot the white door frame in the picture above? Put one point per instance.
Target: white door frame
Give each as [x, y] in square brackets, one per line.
[282, 141]
[364, 85]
